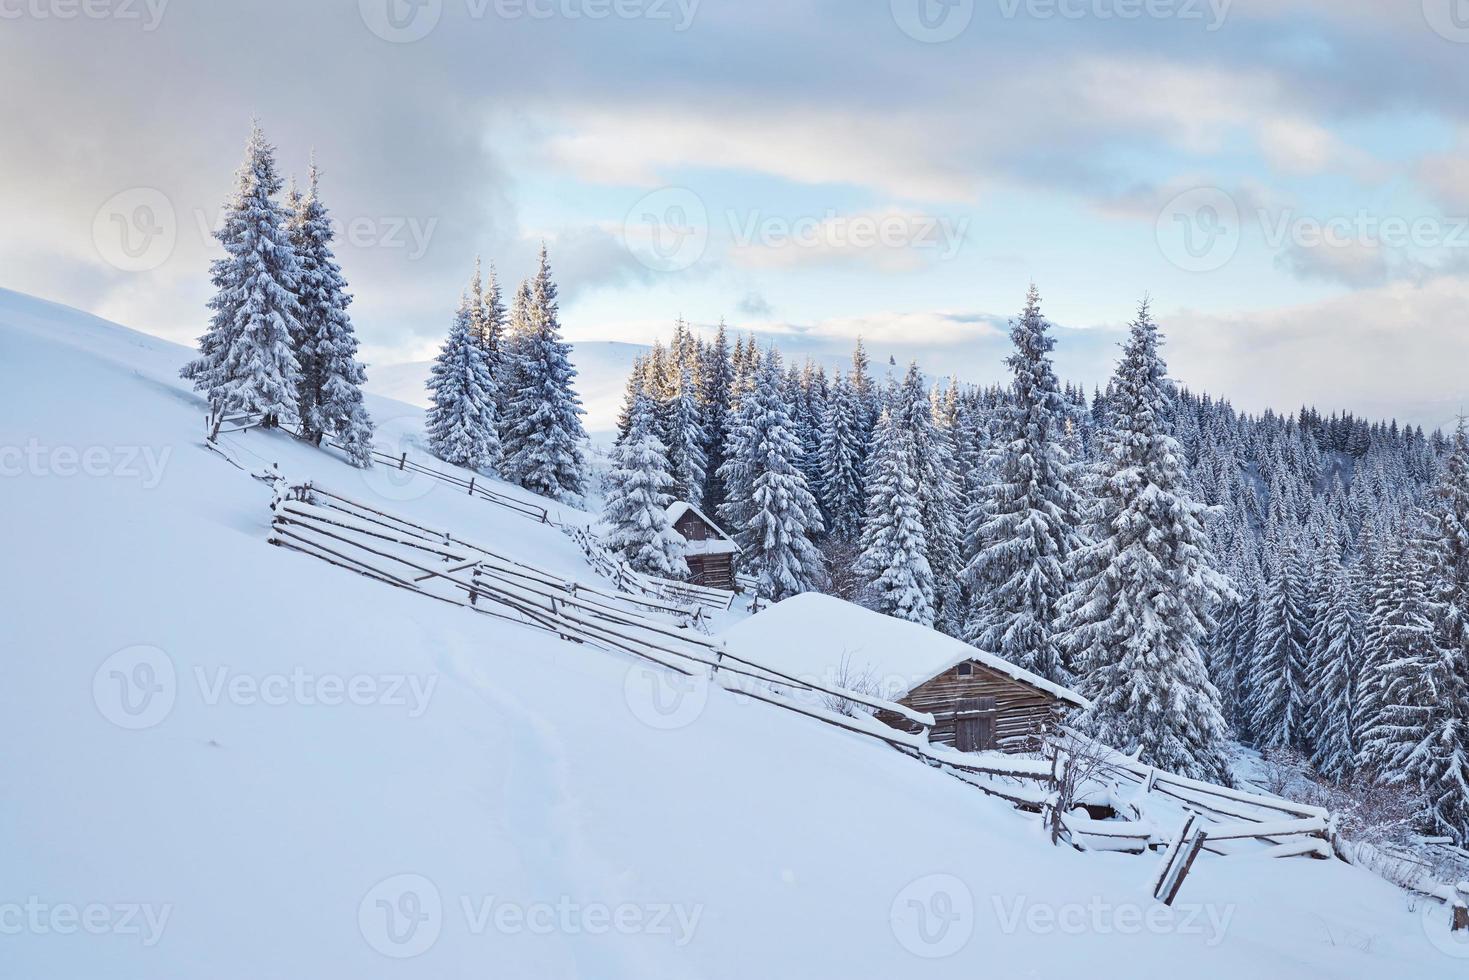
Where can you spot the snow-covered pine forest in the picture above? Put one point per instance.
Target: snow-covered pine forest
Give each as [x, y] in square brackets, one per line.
[1295, 581]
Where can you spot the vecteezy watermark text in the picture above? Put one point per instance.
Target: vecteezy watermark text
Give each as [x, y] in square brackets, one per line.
[406, 21]
[40, 918]
[149, 12]
[137, 688]
[403, 916]
[1099, 917]
[142, 463]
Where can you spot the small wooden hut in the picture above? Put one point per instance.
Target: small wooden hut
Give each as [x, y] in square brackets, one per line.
[710, 553]
[978, 701]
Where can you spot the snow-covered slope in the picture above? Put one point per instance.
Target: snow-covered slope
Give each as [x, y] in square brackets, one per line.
[223, 759]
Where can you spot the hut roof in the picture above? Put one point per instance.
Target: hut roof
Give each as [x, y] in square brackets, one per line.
[724, 545]
[817, 636]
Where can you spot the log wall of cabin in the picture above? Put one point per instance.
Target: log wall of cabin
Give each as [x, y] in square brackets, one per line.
[715, 571]
[1021, 711]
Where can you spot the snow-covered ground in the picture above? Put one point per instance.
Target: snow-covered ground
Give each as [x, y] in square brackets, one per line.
[224, 759]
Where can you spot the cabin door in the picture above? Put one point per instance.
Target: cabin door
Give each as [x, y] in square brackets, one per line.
[974, 725]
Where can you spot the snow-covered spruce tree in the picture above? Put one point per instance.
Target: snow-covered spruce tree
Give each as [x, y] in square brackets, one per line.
[636, 513]
[1279, 677]
[461, 420]
[767, 506]
[842, 450]
[1415, 738]
[247, 363]
[491, 323]
[631, 389]
[686, 459]
[938, 492]
[1384, 593]
[544, 415]
[329, 393]
[1441, 762]
[894, 559]
[1031, 513]
[510, 373]
[1145, 584]
[716, 379]
[1334, 654]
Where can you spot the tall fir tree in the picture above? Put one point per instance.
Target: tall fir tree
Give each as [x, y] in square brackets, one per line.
[686, 458]
[247, 362]
[544, 451]
[1032, 512]
[716, 379]
[329, 392]
[894, 560]
[938, 492]
[638, 497]
[1279, 678]
[842, 449]
[1146, 585]
[767, 504]
[1334, 653]
[461, 418]
[1416, 705]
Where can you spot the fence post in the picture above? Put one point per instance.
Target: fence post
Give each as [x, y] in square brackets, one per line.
[402, 460]
[471, 486]
[1460, 921]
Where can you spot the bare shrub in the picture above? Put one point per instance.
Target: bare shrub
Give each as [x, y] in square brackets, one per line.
[849, 678]
[1075, 764]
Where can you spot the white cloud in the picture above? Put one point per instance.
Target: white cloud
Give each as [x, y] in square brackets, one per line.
[1399, 348]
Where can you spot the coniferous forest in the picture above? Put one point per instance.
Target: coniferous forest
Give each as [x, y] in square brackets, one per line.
[1298, 582]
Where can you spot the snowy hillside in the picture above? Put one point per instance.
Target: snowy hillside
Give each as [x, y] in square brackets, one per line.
[225, 759]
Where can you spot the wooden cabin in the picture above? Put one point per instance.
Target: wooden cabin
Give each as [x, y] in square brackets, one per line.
[979, 701]
[710, 553]
[978, 705]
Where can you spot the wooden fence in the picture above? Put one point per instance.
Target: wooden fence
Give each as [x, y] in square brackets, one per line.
[623, 576]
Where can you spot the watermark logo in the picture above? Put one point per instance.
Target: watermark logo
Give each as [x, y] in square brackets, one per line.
[1199, 230]
[830, 234]
[406, 21]
[1437, 921]
[135, 230]
[1097, 917]
[411, 692]
[397, 479]
[932, 21]
[1211, 13]
[39, 918]
[665, 699]
[149, 12]
[135, 688]
[401, 916]
[1448, 18]
[569, 917]
[401, 21]
[667, 230]
[933, 917]
[144, 464]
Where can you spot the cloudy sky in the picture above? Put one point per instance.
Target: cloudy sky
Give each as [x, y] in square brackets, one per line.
[1288, 179]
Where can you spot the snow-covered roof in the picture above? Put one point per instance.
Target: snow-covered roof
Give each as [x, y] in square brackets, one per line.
[723, 546]
[710, 546]
[810, 635]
